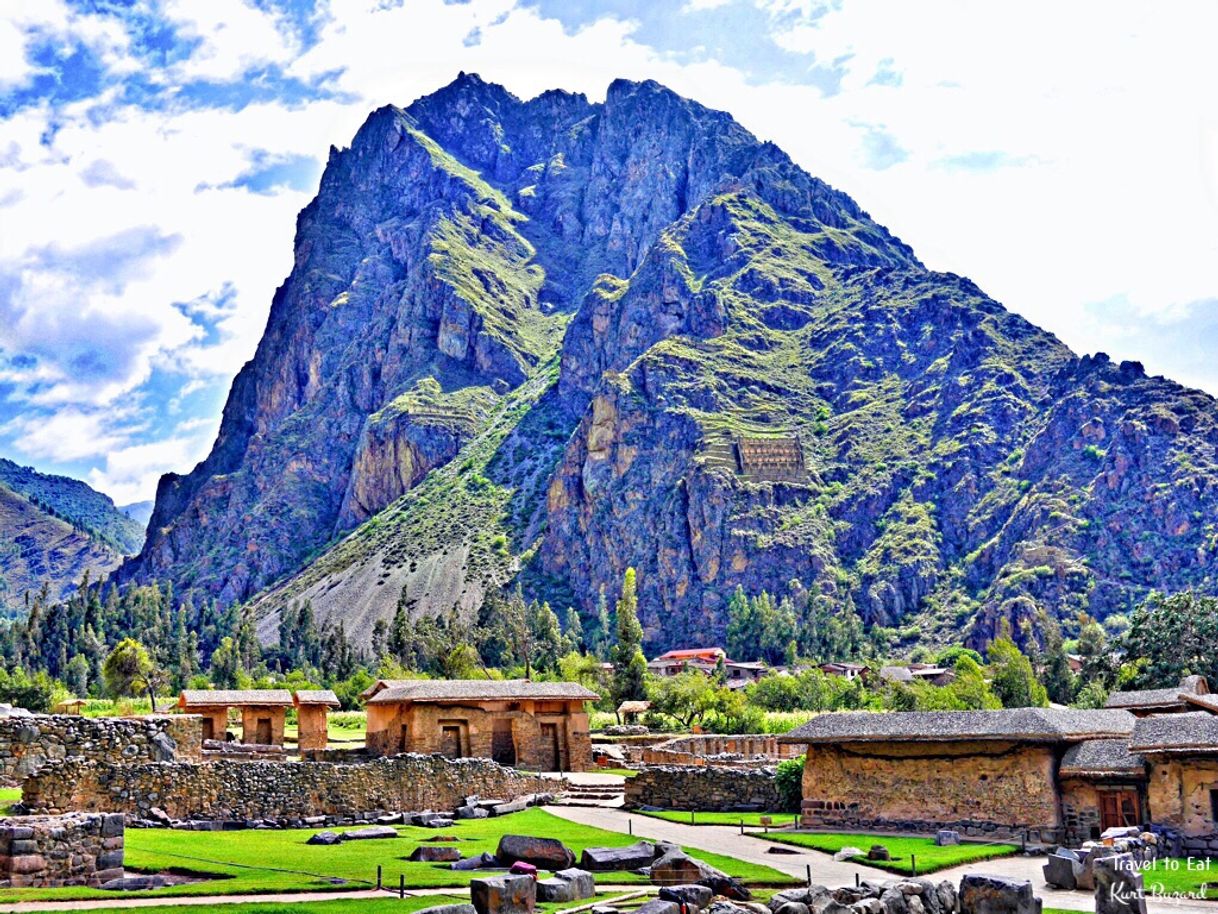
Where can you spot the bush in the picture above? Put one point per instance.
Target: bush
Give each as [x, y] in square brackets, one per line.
[789, 781]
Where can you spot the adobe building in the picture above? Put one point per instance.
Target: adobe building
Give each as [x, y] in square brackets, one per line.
[991, 773]
[313, 717]
[541, 726]
[1192, 694]
[1054, 775]
[263, 712]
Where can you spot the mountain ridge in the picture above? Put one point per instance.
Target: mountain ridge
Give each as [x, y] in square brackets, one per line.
[521, 340]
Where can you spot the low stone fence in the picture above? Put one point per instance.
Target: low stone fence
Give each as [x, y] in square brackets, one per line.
[757, 750]
[705, 788]
[49, 851]
[285, 793]
[29, 742]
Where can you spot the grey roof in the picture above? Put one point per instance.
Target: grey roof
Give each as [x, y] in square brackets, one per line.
[1102, 757]
[213, 698]
[1206, 702]
[436, 690]
[1145, 698]
[317, 697]
[896, 673]
[1196, 731]
[1046, 725]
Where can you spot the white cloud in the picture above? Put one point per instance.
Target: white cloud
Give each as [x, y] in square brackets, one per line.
[130, 473]
[234, 37]
[67, 435]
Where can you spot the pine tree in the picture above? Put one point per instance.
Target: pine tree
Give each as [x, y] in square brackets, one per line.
[629, 664]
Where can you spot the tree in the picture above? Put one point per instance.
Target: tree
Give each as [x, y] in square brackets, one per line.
[629, 664]
[603, 642]
[1011, 675]
[573, 635]
[129, 670]
[1173, 637]
[1057, 676]
[971, 690]
[687, 697]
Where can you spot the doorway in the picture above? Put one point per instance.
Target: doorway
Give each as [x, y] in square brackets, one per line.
[1119, 808]
[209, 729]
[549, 757]
[262, 731]
[450, 741]
[404, 739]
[503, 745]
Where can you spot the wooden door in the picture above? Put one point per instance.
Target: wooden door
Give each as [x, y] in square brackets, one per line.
[450, 742]
[549, 759]
[503, 745]
[262, 731]
[1119, 808]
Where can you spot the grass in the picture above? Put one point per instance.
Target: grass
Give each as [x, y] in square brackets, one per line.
[9, 796]
[242, 862]
[620, 772]
[390, 903]
[1182, 876]
[751, 819]
[930, 857]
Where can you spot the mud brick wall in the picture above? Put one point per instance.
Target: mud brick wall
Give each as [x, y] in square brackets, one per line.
[28, 743]
[273, 791]
[704, 787]
[50, 851]
[985, 788]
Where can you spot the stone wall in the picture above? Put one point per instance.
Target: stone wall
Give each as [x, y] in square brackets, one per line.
[273, 791]
[758, 750]
[983, 789]
[1178, 794]
[704, 787]
[48, 851]
[27, 743]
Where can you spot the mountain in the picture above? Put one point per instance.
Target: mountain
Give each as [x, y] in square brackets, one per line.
[140, 512]
[542, 341]
[53, 530]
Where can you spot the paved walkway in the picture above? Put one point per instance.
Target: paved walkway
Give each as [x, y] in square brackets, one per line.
[827, 871]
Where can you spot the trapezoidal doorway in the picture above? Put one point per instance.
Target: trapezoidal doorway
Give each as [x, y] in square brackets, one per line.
[503, 744]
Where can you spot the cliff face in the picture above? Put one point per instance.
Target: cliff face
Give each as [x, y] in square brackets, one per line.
[535, 339]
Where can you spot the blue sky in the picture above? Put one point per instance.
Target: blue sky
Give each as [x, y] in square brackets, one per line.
[154, 154]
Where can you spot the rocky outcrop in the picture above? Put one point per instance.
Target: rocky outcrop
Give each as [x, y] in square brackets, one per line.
[524, 340]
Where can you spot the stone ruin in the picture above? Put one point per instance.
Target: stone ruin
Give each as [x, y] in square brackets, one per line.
[52, 851]
[771, 459]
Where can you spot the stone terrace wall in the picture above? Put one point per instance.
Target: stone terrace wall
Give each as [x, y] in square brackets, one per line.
[753, 749]
[48, 851]
[704, 787]
[27, 743]
[274, 791]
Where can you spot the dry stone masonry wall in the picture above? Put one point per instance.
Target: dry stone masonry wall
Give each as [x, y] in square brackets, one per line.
[704, 787]
[49, 851]
[27, 743]
[273, 791]
[756, 749]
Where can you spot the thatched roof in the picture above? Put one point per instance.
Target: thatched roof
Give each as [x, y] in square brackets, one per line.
[317, 697]
[387, 691]
[1195, 732]
[1146, 699]
[1102, 758]
[1040, 725]
[215, 698]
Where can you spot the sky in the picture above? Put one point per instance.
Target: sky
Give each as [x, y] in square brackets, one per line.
[154, 155]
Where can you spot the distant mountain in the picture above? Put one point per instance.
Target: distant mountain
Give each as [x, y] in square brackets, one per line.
[139, 511]
[541, 341]
[76, 503]
[38, 548]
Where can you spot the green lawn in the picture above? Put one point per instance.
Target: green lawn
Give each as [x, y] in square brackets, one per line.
[930, 858]
[751, 819]
[1176, 876]
[281, 861]
[620, 772]
[9, 796]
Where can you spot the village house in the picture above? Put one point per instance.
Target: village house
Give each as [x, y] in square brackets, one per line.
[1053, 775]
[535, 725]
[1193, 693]
[739, 674]
[845, 670]
[263, 712]
[313, 717]
[672, 663]
[918, 672]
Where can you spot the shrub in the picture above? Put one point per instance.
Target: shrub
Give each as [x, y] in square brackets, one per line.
[789, 781]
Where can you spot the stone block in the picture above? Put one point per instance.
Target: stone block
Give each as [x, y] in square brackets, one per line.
[696, 896]
[471, 812]
[373, 832]
[631, 857]
[986, 894]
[567, 885]
[1118, 886]
[26, 864]
[430, 853]
[878, 852]
[543, 853]
[658, 906]
[946, 837]
[112, 824]
[503, 895]
[1062, 871]
[504, 809]
[450, 909]
[477, 862]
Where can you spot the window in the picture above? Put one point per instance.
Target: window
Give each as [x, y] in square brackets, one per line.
[1213, 805]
